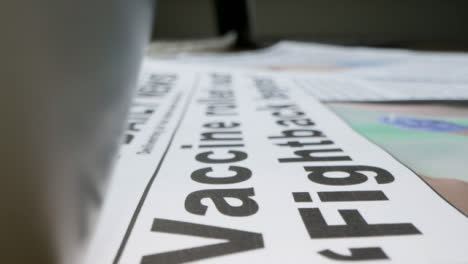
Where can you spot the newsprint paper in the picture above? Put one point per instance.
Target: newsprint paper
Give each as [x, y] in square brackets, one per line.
[245, 167]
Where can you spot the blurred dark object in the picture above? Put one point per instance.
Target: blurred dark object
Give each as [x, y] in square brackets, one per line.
[418, 24]
[234, 16]
[69, 69]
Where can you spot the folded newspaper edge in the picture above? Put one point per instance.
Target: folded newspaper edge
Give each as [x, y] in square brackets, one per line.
[230, 166]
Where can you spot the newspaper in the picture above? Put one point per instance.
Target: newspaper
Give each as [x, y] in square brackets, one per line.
[379, 74]
[245, 167]
[339, 89]
[158, 88]
[430, 138]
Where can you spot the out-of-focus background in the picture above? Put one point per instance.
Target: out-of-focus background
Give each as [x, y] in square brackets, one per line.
[418, 24]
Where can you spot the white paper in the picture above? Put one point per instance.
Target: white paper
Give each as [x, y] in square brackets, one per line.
[331, 88]
[251, 114]
[301, 55]
[156, 87]
[378, 74]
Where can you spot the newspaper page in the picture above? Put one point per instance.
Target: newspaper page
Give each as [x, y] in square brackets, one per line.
[248, 168]
[376, 74]
[345, 89]
[157, 88]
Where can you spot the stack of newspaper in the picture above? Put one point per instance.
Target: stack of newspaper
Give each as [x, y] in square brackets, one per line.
[235, 159]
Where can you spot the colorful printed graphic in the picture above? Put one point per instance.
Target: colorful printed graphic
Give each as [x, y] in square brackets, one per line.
[431, 139]
[430, 125]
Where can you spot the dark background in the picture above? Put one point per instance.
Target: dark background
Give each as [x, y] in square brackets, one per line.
[420, 24]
